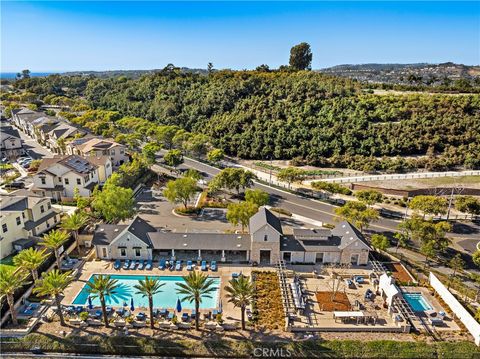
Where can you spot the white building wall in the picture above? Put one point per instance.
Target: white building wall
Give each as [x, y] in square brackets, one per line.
[13, 232]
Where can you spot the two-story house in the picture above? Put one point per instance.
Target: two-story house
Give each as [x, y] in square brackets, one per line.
[24, 215]
[57, 138]
[59, 177]
[10, 142]
[23, 117]
[96, 147]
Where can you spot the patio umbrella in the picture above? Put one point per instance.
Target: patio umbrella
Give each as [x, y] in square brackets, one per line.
[90, 304]
[132, 307]
[179, 305]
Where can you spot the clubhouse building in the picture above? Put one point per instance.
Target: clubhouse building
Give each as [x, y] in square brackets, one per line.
[266, 244]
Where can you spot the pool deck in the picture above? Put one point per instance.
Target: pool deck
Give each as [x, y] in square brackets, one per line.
[105, 267]
[448, 323]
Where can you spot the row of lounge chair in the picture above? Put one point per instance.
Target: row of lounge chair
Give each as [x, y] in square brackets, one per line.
[134, 264]
[162, 264]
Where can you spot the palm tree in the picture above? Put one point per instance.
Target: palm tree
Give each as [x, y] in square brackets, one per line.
[74, 223]
[196, 286]
[53, 241]
[101, 287]
[53, 284]
[30, 259]
[10, 281]
[240, 292]
[148, 288]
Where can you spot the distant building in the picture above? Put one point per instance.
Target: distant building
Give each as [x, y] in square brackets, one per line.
[266, 243]
[24, 215]
[60, 176]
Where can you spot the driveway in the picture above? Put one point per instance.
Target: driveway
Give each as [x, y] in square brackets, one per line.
[33, 148]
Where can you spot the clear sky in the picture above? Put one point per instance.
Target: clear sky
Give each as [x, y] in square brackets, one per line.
[63, 36]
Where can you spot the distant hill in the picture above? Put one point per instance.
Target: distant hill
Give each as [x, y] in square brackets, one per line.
[406, 74]
[127, 73]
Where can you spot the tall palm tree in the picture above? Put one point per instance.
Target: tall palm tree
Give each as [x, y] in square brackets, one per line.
[101, 287]
[240, 292]
[53, 284]
[74, 223]
[10, 281]
[30, 259]
[196, 286]
[148, 288]
[53, 241]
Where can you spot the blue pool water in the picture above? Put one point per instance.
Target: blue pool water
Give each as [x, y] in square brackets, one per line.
[417, 301]
[167, 298]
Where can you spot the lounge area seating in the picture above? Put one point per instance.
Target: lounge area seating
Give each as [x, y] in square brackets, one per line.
[178, 265]
[161, 264]
[189, 266]
[204, 266]
[126, 265]
[141, 264]
[149, 265]
[117, 264]
[213, 266]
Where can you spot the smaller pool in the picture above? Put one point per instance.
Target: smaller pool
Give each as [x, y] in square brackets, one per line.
[417, 302]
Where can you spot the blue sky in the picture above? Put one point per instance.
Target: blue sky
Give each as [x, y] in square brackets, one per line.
[62, 36]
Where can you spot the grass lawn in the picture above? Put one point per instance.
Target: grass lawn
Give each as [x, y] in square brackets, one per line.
[7, 262]
[125, 345]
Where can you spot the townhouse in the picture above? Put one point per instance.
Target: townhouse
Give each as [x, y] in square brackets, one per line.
[23, 216]
[60, 177]
[265, 244]
[96, 147]
[10, 142]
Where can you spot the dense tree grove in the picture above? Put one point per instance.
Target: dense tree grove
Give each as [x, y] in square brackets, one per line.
[323, 120]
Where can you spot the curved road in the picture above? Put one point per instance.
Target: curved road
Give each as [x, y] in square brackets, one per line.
[302, 206]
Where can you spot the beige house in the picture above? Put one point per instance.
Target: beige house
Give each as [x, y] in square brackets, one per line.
[266, 244]
[10, 142]
[96, 147]
[24, 215]
[61, 176]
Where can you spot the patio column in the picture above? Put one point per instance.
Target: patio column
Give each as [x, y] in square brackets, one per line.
[173, 253]
[248, 256]
[223, 255]
[199, 254]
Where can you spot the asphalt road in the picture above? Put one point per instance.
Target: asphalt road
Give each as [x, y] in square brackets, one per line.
[317, 210]
[310, 208]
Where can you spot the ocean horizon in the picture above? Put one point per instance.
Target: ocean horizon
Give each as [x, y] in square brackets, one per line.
[12, 75]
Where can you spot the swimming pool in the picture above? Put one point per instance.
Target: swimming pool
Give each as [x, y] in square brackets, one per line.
[417, 302]
[167, 298]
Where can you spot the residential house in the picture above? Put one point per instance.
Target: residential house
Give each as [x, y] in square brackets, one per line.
[41, 127]
[58, 136]
[96, 146]
[23, 216]
[265, 244]
[23, 117]
[59, 177]
[10, 142]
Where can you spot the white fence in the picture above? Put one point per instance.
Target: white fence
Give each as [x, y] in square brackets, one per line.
[460, 312]
[399, 176]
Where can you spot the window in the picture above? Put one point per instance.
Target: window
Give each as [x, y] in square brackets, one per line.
[4, 228]
[42, 180]
[42, 209]
[265, 238]
[137, 252]
[104, 252]
[112, 152]
[122, 152]
[19, 221]
[66, 181]
[48, 225]
[123, 252]
[79, 181]
[23, 215]
[49, 205]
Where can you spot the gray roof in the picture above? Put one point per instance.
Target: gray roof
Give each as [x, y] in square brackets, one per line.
[203, 241]
[8, 132]
[141, 229]
[311, 232]
[105, 233]
[29, 225]
[340, 237]
[263, 217]
[349, 234]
